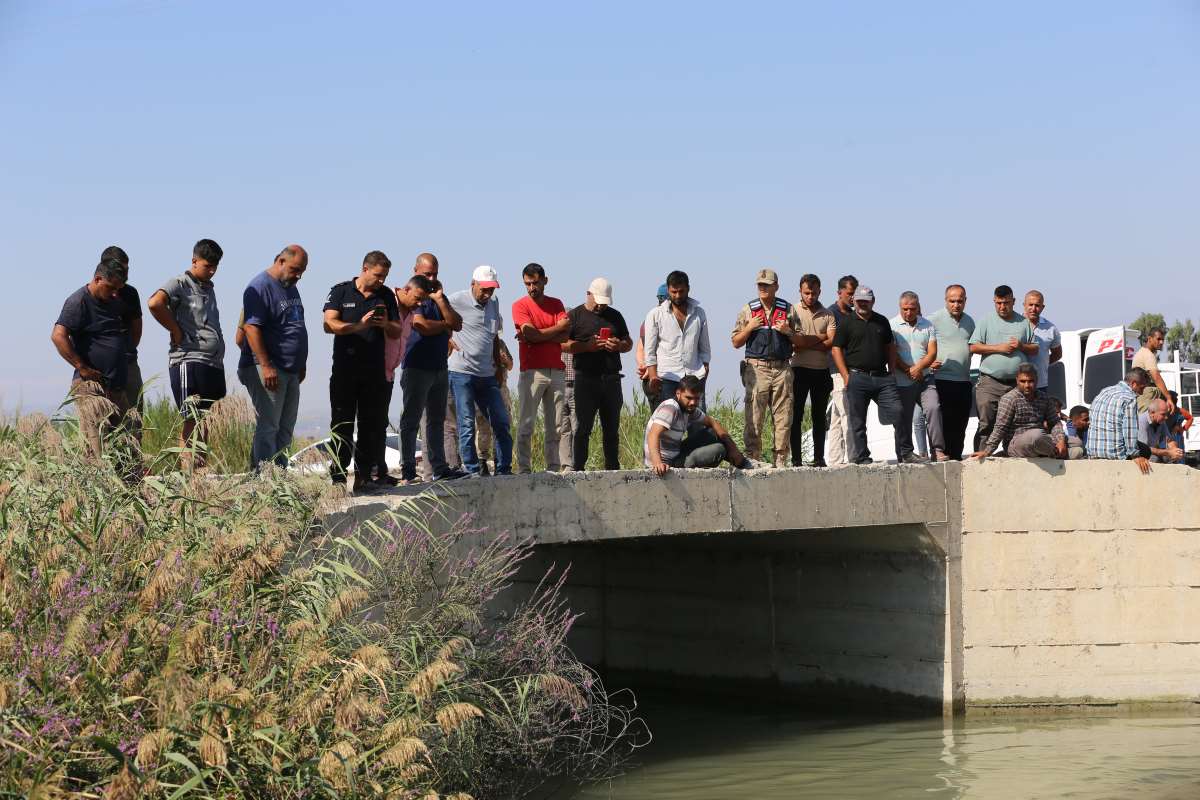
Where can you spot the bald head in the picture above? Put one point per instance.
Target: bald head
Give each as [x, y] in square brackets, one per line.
[289, 264]
[427, 265]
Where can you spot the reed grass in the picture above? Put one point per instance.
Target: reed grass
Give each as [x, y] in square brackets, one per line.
[202, 636]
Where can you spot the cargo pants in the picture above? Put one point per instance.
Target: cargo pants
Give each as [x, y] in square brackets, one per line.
[768, 385]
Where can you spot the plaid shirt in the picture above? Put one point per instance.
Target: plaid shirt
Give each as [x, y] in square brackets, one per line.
[1114, 430]
[1017, 413]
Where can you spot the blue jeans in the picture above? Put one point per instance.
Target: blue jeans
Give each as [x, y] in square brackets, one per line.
[471, 391]
[274, 415]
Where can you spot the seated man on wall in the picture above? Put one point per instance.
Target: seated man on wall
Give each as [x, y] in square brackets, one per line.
[1154, 434]
[1077, 430]
[666, 445]
[1113, 433]
[1026, 422]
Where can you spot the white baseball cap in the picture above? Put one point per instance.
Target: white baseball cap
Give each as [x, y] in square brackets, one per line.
[601, 291]
[485, 276]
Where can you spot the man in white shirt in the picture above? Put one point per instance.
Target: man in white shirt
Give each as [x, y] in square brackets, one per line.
[1045, 335]
[676, 340]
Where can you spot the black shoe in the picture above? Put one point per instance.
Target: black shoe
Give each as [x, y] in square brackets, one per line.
[451, 474]
[386, 479]
[339, 480]
[365, 486]
[820, 462]
[483, 469]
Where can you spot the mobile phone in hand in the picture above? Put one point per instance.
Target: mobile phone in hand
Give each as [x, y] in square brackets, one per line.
[605, 333]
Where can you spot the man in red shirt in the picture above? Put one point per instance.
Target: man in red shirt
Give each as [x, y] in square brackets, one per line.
[541, 324]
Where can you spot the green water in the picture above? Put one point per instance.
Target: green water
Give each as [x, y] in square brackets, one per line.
[701, 753]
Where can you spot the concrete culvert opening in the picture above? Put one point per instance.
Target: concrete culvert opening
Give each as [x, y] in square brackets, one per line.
[850, 617]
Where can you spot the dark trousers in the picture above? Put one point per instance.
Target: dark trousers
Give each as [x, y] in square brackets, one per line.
[954, 399]
[597, 394]
[423, 391]
[356, 398]
[988, 392]
[861, 390]
[700, 450]
[380, 457]
[818, 383]
[923, 394]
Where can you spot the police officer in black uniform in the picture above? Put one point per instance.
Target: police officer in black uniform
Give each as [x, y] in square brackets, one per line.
[359, 314]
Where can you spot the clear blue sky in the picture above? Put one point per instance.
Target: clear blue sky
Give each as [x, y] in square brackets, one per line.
[1037, 144]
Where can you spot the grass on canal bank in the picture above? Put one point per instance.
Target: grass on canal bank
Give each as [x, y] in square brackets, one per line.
[202, 637]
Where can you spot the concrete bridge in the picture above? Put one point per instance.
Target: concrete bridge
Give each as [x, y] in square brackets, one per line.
[960, 587]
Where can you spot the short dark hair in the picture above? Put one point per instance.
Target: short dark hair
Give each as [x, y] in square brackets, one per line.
[1138, 374]
[1003, 290]
[209, 251]
[112, 270]
[112, 252]
[690, 383]
[1157, 330]
[376, 258]
[533, 270]
[811, 281]
[1077, 411]
[677, 278]
[1027, 369]
[421, 282]
[847, 280]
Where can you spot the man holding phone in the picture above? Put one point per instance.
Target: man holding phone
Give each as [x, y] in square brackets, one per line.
[596, 337]
[360, 314]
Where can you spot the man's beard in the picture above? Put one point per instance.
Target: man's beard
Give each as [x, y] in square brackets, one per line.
[288, 283]
[679, 303]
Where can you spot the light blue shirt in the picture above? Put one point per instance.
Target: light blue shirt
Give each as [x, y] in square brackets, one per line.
[912, 344]
[1046, 334]
[475, 342]
[954, 349]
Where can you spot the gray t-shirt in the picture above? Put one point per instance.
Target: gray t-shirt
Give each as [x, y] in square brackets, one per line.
[193, 304]
[993, 330]
[1152, 435]
[475, 342]
[672, 418]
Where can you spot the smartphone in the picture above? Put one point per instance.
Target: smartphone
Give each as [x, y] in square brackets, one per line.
[604, 334]
[378, 311]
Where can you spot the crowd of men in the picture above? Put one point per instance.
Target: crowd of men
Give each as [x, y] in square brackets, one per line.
[453, 365]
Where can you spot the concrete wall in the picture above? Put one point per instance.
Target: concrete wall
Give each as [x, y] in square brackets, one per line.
[971, 586]
[1080, 583]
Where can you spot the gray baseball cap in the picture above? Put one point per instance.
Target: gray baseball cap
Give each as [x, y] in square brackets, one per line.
[864, 293]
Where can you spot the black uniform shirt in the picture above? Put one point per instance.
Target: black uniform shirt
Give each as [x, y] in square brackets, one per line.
[362, 351]
[864, 342]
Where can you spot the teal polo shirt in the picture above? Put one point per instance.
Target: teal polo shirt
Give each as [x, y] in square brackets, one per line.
[993, 330]
[954, 345]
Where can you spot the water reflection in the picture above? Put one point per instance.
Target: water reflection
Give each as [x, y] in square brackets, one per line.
[717, 754]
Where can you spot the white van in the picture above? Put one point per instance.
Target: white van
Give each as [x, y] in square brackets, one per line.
[1092, 360]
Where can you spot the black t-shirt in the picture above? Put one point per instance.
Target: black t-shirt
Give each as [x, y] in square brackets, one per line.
[133, 310]
[99, 334]
[585, 324]
[864, 343]
[362, 350]
[838, 316]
